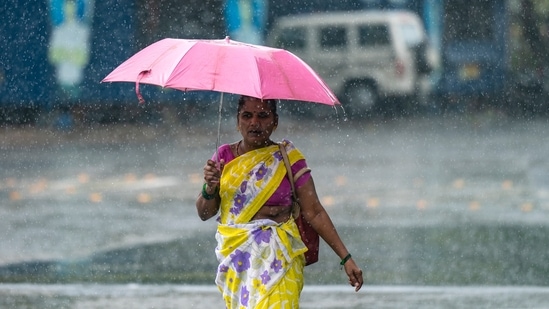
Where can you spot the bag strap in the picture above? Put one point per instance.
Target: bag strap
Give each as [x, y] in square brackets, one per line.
[288, 169]
[301, 172]
[296, 207]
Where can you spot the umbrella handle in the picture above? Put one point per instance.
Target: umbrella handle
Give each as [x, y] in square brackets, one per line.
[137, 92]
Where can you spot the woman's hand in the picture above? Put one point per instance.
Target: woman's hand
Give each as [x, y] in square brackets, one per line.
[354, 273]
[212, 174]
[208, 207]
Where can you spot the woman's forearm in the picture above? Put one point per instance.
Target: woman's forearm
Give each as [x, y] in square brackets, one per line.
[324, 226]
[316, 215]
[207, 204]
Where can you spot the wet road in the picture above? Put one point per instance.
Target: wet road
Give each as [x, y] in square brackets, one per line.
[313, 297]
[419, 201]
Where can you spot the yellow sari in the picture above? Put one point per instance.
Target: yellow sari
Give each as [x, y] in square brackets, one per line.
[260, 262]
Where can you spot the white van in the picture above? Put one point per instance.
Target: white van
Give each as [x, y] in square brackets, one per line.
[365, 56]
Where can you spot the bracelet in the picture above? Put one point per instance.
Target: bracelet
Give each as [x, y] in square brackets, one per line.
[344, 260]
[205, 193]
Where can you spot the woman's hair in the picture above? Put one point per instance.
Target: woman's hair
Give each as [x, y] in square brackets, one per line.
[270, 102]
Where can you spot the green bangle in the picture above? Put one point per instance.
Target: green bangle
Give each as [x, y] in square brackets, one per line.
[206, 195]
[345, 259]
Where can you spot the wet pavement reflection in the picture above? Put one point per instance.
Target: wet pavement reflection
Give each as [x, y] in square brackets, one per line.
[419, 201]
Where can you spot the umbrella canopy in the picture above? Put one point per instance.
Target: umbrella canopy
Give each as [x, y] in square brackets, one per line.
[225, 66]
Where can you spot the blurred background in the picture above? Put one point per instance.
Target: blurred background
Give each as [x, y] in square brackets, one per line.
[489, 53]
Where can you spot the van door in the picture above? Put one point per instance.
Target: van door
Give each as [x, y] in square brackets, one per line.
[375, 55]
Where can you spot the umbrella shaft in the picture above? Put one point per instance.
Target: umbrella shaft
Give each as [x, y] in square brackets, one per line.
[218, 128]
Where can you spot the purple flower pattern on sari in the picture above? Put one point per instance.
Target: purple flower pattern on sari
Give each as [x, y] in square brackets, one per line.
[243, 186]
[261, 172]
[278, 155]
[241, 260]
[239, 202]
[244, 297]
[223, 268]
[262, 235]
[276, 265]
[265, 278]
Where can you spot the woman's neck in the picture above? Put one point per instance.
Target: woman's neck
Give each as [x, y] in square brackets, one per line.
[242, 147]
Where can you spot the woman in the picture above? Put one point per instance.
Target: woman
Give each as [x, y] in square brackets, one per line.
[259, 247]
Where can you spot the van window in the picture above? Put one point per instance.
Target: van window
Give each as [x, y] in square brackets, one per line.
[373, 35]
[333, 37]
[292, 38]
[411, 33]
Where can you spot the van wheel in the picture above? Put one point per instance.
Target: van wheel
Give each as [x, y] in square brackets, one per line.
[361, 98]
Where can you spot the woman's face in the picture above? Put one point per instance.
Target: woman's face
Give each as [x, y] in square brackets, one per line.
[256, 122]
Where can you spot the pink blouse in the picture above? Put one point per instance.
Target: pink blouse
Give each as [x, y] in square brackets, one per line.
[283, 194]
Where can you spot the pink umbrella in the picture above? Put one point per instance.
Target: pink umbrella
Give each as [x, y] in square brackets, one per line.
[224, 66]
